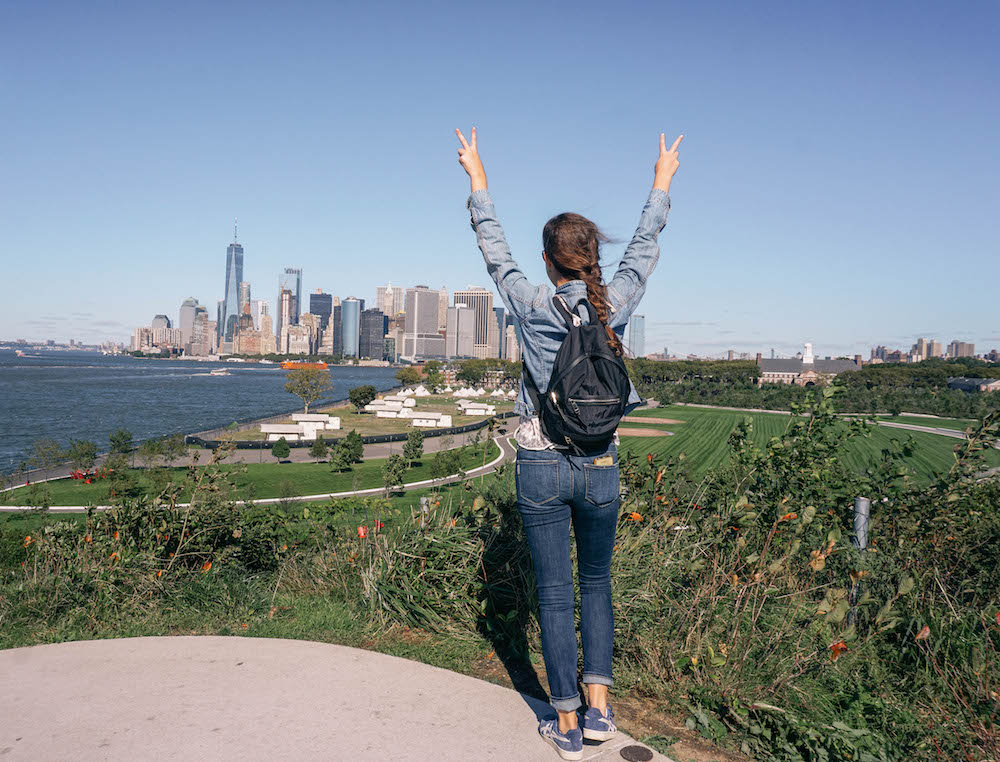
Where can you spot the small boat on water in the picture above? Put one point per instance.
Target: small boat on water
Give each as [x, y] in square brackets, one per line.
[297, 364]
[220, 372]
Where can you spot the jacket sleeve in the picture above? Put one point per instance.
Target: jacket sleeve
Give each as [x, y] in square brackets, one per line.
[517, 292]
[626, 288]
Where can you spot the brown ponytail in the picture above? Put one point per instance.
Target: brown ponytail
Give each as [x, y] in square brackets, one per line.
[572, 243]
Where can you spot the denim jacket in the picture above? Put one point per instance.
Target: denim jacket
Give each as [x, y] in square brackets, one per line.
[540, 329]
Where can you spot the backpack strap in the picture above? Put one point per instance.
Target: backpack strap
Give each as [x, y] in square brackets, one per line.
[563, 309]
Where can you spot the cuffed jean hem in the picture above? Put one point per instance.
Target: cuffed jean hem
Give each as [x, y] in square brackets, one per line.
[566, 704]
[591, 679]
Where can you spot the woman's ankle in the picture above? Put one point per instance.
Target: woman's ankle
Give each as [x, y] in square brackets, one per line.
[567, 721]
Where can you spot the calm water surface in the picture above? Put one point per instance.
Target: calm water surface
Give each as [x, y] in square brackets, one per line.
[84, 395]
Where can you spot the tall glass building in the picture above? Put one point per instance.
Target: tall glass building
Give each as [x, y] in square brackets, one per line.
[231, 301]
[350, 317]
[290, 279]
[636, 344]
[321, 304]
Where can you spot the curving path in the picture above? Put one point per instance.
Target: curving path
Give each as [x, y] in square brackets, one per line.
[507, 452]
[240, 698]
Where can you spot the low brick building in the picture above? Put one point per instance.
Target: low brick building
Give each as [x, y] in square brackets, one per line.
[803, 371]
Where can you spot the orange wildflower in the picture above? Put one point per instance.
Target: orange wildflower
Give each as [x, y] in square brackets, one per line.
[635, 516]
[116, 534]
[113, 556]
[837, 649]
[159, 573]
[789, 517]
[649, 457]
[28, 541]
[923, 634]
[87, 538]
[206, 566]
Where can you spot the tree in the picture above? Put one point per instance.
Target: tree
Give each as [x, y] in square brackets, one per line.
[340, 459]
[308, 384]
[408, 376]
[149, 451]
[82, 454]
[281, 450]
[472, 372]
[354, 447]
[393, 471]
[361, 396]
[319, 448]
[121, 442]
[46, 453]
[414, 447]
[173, 447]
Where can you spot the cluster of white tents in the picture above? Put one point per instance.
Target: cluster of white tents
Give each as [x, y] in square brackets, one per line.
[480, 392]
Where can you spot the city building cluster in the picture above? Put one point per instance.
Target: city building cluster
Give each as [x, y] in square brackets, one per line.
[412, 324]
[927, 348]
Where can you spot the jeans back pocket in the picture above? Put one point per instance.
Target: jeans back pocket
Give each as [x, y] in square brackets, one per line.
[537, 481]
[602, 484]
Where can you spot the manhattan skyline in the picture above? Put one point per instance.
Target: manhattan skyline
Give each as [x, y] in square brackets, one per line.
[835, 183]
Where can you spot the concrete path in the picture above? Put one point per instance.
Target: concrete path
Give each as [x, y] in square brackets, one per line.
[219, 698]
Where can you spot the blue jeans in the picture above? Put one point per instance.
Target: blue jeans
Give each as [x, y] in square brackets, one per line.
[554, 488]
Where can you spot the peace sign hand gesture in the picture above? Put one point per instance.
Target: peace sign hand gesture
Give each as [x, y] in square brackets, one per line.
[666, 164]
[468, 157]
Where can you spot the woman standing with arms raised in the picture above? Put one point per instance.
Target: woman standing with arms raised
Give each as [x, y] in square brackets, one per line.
[562, 483]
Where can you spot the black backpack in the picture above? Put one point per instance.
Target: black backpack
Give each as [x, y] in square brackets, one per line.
[588, 389]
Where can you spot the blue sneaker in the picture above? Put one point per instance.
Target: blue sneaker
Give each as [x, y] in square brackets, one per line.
[568, 745]
[597, 726]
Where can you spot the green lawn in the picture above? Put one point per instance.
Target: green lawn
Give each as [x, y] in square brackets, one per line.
[703, 437]
[269, 479]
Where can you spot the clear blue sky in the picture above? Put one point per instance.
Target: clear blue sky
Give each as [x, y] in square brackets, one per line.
[838, 179]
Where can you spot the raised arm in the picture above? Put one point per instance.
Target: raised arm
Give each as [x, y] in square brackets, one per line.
[516, 290]
[626, 288]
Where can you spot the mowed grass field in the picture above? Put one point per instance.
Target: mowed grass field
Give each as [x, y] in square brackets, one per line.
[703, 436]
[264, 480]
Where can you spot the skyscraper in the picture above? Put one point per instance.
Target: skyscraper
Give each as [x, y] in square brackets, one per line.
[461, 331]
[351, 321]
[501, 330]
[421, 337]
[487, 336]
[390, 299]
[372, 341]
[186, 319]
[284, 318]
[231, 300]
[443, 309]
[290, 279]
[244, 295]
[321, 304]
[637, 336]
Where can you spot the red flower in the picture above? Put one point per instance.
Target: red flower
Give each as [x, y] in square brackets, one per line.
[837, 649]
[378, 524]
[362, 531]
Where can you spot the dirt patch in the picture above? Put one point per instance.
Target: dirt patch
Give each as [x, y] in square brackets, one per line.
[636, 432]
[649, 419]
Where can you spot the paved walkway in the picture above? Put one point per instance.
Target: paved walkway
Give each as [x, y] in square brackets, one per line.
[507, 453]
[219, 698]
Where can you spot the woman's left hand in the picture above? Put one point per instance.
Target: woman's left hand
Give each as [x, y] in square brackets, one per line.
[468, 157]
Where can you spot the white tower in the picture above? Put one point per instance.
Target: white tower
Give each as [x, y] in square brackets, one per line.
[807, 355]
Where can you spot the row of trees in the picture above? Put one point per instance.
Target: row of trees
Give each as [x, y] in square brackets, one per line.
[82, 454]
[885, 388]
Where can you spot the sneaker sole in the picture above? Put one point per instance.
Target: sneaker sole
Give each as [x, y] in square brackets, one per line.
[570, 755]
[599, 735]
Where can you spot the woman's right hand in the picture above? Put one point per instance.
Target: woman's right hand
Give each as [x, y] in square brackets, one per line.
[666, 164]
[468, 157]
